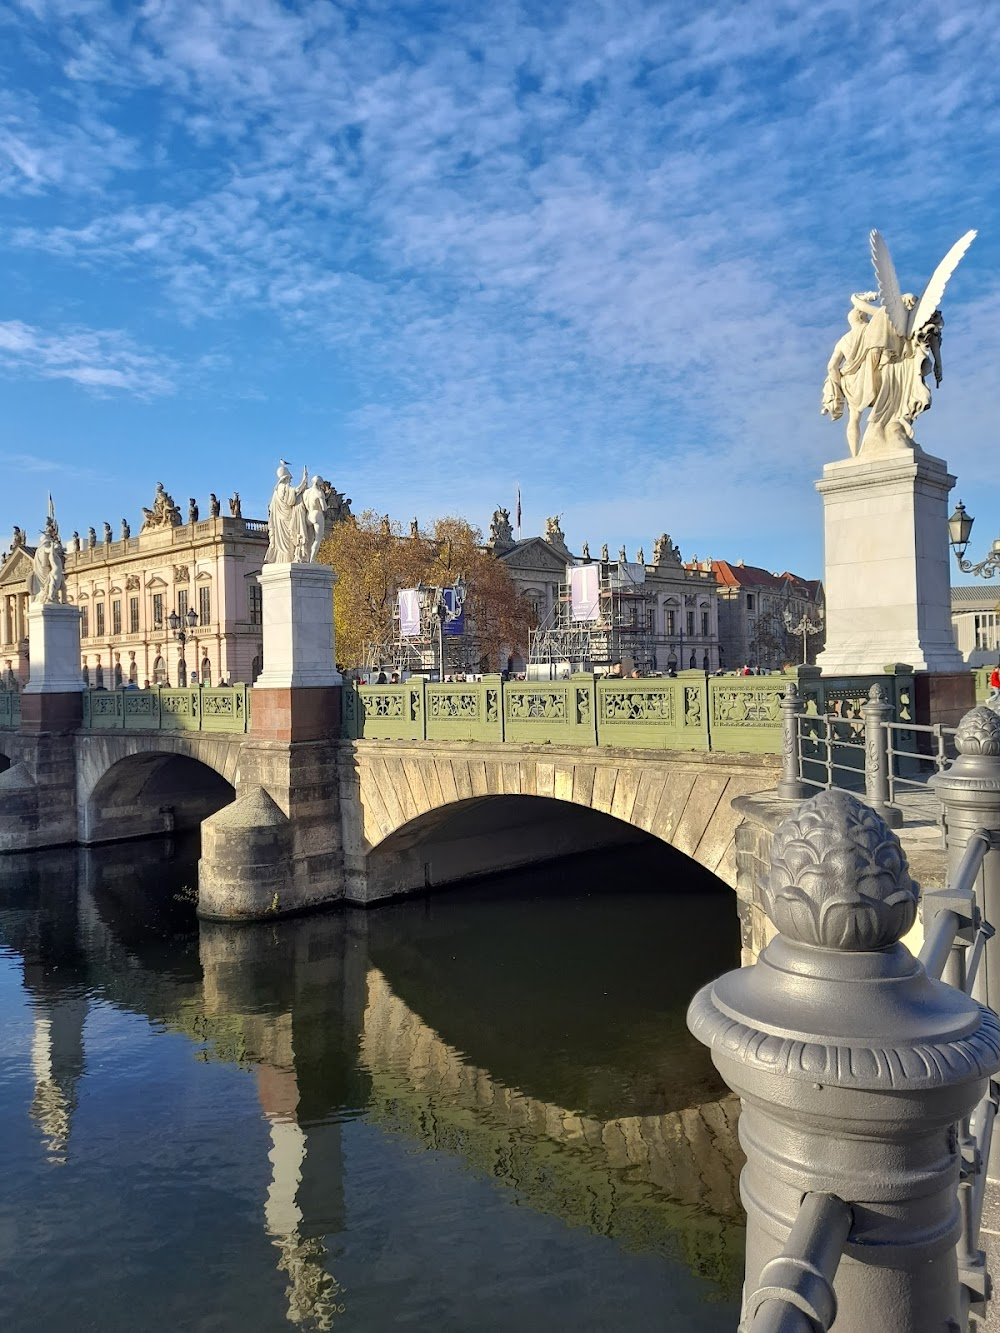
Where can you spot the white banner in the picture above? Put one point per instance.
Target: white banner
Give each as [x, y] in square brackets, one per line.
[584, 592]
[409, 613]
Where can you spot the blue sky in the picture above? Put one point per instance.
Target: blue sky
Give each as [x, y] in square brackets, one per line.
[436, 249]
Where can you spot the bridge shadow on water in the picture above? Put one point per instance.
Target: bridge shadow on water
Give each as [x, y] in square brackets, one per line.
[528, 1029]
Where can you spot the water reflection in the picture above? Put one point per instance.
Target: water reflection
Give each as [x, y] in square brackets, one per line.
[528, 1036]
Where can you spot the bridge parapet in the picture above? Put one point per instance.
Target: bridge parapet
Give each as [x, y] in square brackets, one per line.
[200, 708]
[10, 710]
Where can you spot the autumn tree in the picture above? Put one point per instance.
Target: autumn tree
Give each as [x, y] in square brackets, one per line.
[374, 558]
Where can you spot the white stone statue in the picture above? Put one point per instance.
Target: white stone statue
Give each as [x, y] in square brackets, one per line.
[288, 539]
[314, 503]
[880, 363]
[48, 578]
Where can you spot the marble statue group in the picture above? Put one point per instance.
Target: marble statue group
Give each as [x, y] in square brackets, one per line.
[296, 518]
[48, 576]
[893, 342]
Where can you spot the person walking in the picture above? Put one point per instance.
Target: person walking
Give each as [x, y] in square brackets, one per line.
[995, 683]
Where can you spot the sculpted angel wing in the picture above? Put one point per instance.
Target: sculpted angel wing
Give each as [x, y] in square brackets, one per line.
[931, 298]
[888, 283]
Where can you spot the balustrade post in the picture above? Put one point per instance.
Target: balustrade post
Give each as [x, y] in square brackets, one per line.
[876, 713]
[969, 791]
[855, 1070]
[791, 786]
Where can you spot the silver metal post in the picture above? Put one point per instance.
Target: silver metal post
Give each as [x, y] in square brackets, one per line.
[876, 714]
[791, 786]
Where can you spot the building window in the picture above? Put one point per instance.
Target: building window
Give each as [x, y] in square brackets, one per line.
[255, 601]
[118, 675]
[704, 664]
[651, 620]
[206, 665]
[690, 624]
[182, 602]
[749, 601]
[670, 622]
[133, 615]
[205, 606]
[159, 671]
[157, 610]
[84, 622]
[694, 663]
[986, 631]
[182, 673]
[116, 616]
[133, 672]
[99, 610]
[704, 624]
[86, 676]
[256, 667]
[98, 674]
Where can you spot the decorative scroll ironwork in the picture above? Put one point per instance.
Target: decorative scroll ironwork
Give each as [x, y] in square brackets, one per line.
[747, 708]
[453, 706]
[645, 706]
[177, 704]
[524, 705]
[384, 705]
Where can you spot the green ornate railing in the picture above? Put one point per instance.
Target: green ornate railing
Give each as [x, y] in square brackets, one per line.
[203, 708]
[10, 710]
[691, 711]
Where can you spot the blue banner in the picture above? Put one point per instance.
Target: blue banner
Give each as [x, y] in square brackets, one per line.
[456, 626]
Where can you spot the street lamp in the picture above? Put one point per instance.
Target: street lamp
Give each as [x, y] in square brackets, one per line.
[182, 628]
[805, 627]
[959, 532]
[434, 599]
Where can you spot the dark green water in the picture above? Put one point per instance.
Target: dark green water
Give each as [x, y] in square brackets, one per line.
[475, 1111]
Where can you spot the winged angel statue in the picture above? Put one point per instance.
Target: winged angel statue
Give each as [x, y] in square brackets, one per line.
[880, 363]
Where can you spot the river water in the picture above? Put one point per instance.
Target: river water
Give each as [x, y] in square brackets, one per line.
[479, 1110]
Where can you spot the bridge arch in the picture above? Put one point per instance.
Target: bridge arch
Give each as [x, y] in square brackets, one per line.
[131, 790]
[405, 796]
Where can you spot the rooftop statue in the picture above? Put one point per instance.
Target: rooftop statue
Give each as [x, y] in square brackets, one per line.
[664, 551]
[880, 363]
[314, 503]
[164, 513]
[289, 537]
[554, 534]
[501, 533]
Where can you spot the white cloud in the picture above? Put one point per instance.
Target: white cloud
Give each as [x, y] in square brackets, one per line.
[96, 359]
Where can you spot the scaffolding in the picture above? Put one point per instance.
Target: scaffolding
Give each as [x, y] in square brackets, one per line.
[620, 631]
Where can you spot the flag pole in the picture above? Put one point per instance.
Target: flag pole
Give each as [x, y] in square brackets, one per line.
[518, 511]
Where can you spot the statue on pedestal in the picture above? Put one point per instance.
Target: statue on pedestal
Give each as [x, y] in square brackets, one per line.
[107, 534]
[585, 553]
[48, 578]
[91, 539]
[214, 508]
[235, 507]
[604, 552]
[881, 361]
[501, 536]
[192, 510]
[126, 530]
[554, 534]
[288, 539]
[665, 552]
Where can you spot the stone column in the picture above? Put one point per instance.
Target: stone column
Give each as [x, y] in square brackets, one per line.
[52, 696]
[855, 1069]
[886, 575]
[297, 695]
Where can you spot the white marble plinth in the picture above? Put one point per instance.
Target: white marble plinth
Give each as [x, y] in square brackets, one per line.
[299, 649]
[54, 649]
[887, 583]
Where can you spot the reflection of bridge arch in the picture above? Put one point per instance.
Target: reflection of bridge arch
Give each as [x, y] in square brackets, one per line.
[126, 790]
[428, 814]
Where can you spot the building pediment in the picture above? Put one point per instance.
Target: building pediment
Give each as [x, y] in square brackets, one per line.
[535, 553]
[17, 567]
[155, 582]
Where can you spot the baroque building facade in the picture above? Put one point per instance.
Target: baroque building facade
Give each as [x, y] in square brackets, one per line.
[657, 614]
[203, 570]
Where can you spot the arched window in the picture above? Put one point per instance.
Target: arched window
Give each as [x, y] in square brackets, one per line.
[704, 664]
[118, 675]
[98, 676]
[182, 673]
[159, 672]
[133, 672]
[694, 662]
[256, 667]
[206, 671]
[86, 676]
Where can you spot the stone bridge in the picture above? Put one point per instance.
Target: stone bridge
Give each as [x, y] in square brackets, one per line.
[291, 825]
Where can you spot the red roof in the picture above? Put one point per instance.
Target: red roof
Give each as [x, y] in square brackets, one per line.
[752, 576]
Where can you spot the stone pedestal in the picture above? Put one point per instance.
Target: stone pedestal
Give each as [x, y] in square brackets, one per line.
[887, 585]
[52, 698]
[297, 695]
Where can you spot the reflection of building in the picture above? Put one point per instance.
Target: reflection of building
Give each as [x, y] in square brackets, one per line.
[975, 618]
[752, 607]
[127, 589]
[659, 613]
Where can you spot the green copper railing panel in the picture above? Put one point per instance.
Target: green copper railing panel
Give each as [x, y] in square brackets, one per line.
[662, 713]
[202, 708]
[10, 710]
[560, 712]
[982, 675]
[745, 713]
[465, 711]
[385, 712]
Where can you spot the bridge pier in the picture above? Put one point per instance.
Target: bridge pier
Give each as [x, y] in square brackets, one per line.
[277, 849]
